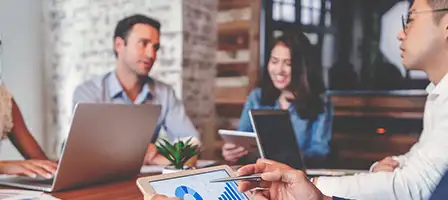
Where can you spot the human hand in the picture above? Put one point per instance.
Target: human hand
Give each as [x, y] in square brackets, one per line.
[279, 181]
[232, 152]
[31, 168]
[388, 164]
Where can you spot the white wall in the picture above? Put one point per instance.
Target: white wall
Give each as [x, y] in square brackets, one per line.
[22, 68]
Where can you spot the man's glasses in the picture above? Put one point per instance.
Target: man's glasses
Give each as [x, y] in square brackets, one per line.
[405, 19]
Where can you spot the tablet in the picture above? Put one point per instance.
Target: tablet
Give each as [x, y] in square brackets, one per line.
[193, 184]
[248, 140]
[276, 138]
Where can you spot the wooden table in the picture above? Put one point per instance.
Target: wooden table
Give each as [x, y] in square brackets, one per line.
[114, 190]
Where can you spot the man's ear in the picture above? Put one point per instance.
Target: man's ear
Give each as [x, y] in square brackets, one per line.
[119, 44]
[444, 23]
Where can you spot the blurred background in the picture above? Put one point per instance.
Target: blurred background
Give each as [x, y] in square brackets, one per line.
[213, 53]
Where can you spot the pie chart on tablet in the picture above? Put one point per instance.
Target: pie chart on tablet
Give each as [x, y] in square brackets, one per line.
[184, 192]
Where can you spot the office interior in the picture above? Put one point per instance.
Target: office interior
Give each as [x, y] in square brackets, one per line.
[213, 53]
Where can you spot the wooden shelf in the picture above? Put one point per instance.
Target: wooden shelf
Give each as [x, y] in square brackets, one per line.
[237, 69]
[231, 95]
[233, 41]
[234, 27]
[233, 4]
[230, 101]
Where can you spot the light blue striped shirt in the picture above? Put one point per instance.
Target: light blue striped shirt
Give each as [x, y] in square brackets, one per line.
[108, 89]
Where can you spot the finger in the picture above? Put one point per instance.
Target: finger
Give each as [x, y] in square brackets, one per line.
[286, 176]
[24, 172]
[32, 166]
[229, 146]
[244, 186]
[259, 167]
[273, 165]
[394, 163]
[47, 165]
[240, 154]
[149, 157]
[235, 157]
[233, 152]
[151, 152]
[163, 197]
[248, 169]
[383, 168]
[390, 161]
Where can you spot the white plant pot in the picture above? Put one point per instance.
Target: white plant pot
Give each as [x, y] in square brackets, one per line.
[171, 169]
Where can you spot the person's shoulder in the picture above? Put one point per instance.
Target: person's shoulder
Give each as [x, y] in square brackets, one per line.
[159, 85]
[94, 84]
[163, 91]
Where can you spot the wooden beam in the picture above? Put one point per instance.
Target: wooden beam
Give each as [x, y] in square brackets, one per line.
[233, 41]
[237, 26]
[254, 44]
[237, 69]
[233, 4]
[230, 95]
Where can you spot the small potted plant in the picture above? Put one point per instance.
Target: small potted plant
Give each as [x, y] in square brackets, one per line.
[178, 154]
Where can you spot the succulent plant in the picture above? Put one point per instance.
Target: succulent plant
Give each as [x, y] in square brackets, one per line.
[179, 152]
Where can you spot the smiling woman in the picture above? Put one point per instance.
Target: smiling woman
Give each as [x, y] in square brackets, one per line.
[291, 81]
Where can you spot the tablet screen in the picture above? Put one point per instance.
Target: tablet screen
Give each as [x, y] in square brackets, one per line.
[198, 187]
[277, 138]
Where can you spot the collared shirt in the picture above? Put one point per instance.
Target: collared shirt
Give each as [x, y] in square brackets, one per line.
[107, 89]
[420, 169]
[312, 136]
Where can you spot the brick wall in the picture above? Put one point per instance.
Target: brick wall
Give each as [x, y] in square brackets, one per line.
[79, 45]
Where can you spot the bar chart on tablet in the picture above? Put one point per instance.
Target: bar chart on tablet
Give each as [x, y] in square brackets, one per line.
[231, 192]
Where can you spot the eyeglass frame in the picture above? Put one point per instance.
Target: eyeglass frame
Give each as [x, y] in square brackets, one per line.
[405, 21]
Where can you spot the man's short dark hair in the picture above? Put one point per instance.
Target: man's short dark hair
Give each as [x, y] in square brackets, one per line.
[438, 4]
[125, 25]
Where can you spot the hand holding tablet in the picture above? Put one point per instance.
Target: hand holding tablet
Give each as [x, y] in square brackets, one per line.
[193, 184]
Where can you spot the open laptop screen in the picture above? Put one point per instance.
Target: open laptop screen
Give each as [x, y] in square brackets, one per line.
[276, 137]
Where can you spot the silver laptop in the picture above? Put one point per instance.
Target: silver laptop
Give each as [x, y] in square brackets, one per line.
[105, 142]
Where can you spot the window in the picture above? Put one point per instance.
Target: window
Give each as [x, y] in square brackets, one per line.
[284, 10]
[310, 12]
